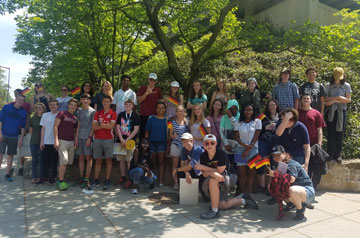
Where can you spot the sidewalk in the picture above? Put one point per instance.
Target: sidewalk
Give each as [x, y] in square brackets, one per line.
[41, 211]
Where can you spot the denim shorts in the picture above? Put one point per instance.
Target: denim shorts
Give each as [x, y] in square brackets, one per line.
[310, 194]
[252, 153]
[157, 146]
[175, 150]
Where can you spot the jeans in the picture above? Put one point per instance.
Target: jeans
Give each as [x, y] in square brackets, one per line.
[137, 175]
[335, 138]
[49, 161]
[36, 160]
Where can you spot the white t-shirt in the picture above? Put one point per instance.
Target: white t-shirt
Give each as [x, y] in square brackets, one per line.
[47, 121]
[120, 97]
[195, 131]
[247, 130]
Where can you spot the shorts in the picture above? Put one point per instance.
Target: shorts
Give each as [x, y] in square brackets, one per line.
[252, 153]
[175, 150]
[310, 194]
[157, 146]
[24, 150]
[66, 152]
[103, 148]
[126, 157]
[223, 187]
[82, 149]
[11, 143]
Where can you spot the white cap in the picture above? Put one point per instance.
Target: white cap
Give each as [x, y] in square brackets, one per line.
[187, 136]
[175, 84]
[210, 137]
[153, 76]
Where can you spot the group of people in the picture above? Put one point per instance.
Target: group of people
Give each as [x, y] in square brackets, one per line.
[237, 129]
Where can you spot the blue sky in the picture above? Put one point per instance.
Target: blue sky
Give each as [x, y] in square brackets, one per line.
[19, 64]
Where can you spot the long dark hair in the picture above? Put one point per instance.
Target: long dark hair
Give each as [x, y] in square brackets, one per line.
[192, 92]
[221, 111]
[242, 114]
[91, 88]
[267, 112]
[141, 151]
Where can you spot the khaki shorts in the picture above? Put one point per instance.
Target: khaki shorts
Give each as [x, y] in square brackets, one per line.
[126, 157]
[66, 152]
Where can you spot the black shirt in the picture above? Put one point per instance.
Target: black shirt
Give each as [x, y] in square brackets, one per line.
[220, 159]
[127, 123]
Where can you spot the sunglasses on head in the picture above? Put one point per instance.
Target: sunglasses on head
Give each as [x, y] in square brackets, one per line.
[207, 143]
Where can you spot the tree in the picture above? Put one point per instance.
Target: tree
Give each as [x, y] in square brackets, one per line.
[3, 88]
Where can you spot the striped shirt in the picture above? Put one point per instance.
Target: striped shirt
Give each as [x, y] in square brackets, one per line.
[285, 94]
[178, 130]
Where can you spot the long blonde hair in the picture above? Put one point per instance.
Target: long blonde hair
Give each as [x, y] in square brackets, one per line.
[110, 92]
[194, 118]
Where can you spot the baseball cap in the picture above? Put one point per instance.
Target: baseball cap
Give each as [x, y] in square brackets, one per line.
[210, 137]
[175, 84]
[277, 149]
[285, 70]
[187, 136]
[153, 76]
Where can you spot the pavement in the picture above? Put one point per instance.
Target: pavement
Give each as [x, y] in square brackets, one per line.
[28, 210]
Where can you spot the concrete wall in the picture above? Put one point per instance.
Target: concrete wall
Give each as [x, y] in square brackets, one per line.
[282, 14]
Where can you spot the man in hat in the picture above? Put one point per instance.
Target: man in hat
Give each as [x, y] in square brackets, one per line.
[286, 92]
[148, 95]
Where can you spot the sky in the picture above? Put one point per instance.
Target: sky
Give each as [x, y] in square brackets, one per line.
[19, 64]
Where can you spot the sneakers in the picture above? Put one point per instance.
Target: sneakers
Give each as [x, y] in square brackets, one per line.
[128, 184]
[84, 182]
[20, 172]
[63, 185]
[250, 204]
[300, 213]
[271, 201]
[106, 185]
[152, 186]
[8, 178]
[210, 215]
[122, 180]
[289, 207]
[134, 192]
[95, 184]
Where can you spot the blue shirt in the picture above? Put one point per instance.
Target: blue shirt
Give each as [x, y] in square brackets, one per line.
[193, 154]
[301, 177]
[286, 94]
[12, 120]
[157, 129]
[294, 138]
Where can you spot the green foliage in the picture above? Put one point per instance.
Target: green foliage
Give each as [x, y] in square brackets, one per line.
[4, 88]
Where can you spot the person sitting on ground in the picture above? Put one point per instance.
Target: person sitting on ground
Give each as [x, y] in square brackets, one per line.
[140, 168]
[213, 163]
[301, 191]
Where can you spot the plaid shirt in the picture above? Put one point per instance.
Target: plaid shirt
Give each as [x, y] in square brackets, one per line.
[279, 189]
[285, 94]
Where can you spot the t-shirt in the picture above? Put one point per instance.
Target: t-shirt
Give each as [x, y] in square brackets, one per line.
[47, 121]
[157, 129]
[312, 119]
[148, 106]
[316, 90]
[142, 160]
[127, 123]
[335, 90]
[195, 131]
[36, 129]
[98, 100]
[198, 100]
[220, 159]
[294, 138]
[67, 126]
[63, 103]
[194, 154]
[215, 126]
[12, 119]
[171, 108]
[301, 177]
[247, 130]
[102, 117]
[178, 131]
[85, 118]
[121, 96]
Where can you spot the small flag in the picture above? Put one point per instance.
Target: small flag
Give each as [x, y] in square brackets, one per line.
[25, 91]
[202, 130]
[169, 125]
[261, 162]
[174, 101]
[261, 116]
[76, 90]
[253, 160]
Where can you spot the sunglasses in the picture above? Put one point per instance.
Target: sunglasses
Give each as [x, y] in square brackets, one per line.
[209, 143]
[38, 86]
[64, 90]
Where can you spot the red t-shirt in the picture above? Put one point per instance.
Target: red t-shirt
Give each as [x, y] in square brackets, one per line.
[67, 126]
[100, 116]
[312, 119]
[148, 106]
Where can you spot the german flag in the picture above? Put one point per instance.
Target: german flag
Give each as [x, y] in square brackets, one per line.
[76, 90]
[261, 162]
[174, 101]
[202, 130]
[25, 91]
[261, 116]
[169, 125]
[252, 162]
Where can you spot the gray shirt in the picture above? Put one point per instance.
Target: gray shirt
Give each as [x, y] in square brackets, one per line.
[85, 118]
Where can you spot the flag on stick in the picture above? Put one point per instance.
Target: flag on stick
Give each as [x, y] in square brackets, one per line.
[253, 160]
[76, 90]
[25, 91]
[261, 116]
[261, 162]
[169, 125]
